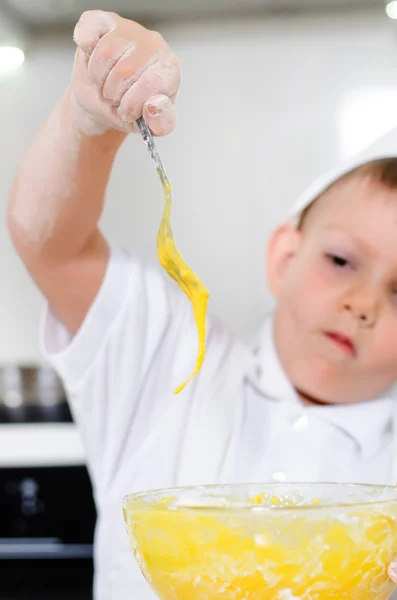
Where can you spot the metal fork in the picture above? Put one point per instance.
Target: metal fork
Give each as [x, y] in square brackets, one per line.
[153, 151]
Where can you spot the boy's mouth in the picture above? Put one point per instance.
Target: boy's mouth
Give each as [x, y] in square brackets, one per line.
[342, 341]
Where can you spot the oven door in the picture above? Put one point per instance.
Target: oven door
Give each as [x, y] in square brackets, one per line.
[47, 522]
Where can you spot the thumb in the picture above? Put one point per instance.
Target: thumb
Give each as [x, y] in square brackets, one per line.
[159, 113]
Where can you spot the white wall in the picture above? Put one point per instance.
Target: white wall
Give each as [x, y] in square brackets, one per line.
[265, 105]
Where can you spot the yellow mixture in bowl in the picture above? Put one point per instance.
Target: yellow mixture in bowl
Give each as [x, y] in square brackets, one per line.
[266, 550]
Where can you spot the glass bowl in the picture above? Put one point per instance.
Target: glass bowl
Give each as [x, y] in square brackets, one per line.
[265, 542]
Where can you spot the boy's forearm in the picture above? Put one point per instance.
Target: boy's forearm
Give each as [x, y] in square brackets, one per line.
[58, 194]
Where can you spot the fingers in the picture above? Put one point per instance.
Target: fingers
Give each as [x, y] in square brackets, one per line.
[160, 115]
[125, 73]
[131, 68]
[157, 79]
[91, 27]
[106, 56]
[122, 52]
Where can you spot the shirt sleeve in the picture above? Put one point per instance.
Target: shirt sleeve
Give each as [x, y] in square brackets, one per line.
[136, 344]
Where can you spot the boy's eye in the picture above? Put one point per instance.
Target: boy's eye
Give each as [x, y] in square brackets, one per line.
[338, 260]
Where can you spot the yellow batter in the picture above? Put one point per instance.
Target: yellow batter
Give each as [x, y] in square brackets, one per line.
[207, 555]
[190, 284]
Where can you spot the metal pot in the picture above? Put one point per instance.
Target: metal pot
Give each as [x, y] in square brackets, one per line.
[21, 385]
[31, 393]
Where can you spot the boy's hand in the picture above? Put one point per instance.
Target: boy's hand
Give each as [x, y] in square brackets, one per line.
[121, 72]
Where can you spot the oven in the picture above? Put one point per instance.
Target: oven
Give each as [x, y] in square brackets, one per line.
[47, 515]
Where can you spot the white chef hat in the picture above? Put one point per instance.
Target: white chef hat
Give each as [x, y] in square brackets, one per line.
[384, 147]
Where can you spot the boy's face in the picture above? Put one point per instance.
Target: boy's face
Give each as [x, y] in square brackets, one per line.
[336, 285]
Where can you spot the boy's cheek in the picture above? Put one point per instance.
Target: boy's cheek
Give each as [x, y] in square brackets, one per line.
[307, 294]
[307, 291]
[384, 348]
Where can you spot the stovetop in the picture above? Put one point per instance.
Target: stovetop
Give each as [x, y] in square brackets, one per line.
[35, 413]
[48, 595]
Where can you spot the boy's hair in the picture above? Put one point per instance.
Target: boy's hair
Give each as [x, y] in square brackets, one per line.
[382, 171]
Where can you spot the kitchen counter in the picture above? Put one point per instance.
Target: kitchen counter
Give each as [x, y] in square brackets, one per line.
[44, 444]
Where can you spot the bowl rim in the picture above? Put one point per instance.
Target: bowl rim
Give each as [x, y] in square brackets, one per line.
[134, 499]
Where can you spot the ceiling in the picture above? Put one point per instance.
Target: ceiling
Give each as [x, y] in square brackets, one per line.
[44, 13]
[22, 20]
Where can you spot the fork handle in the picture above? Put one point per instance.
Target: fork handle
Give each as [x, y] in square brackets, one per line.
[153, 151]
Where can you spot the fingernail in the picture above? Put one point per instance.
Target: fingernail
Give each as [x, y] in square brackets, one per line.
[157, 107]
[153, 110]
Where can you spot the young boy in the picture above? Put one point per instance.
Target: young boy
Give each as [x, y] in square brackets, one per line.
[312, 402]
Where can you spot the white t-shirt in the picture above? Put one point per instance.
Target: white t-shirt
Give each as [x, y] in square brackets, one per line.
[239, 420]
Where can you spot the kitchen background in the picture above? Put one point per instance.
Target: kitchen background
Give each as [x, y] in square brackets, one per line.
[321, 77]
[322, 82]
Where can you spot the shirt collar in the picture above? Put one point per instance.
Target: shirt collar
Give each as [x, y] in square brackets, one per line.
[266, 373]
[367, 423]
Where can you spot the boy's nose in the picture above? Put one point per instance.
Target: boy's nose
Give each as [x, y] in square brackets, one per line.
[362, 307]
[362, 315]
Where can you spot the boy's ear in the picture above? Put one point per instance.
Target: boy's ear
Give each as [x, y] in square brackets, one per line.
[282, 247]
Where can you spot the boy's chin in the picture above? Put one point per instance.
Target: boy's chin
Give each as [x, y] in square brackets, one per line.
[318, 382]
[315, 396]
[310, 399]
